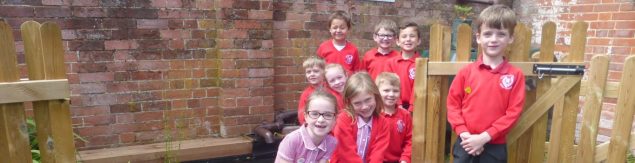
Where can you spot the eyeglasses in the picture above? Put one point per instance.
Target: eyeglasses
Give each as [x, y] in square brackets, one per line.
[316, 115]
[385, 36]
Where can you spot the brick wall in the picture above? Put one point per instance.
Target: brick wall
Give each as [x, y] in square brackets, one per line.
[611, 32]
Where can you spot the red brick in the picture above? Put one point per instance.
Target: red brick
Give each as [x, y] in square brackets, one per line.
[581, 8]
[148, 116]
[606, 7]
[156, 105]
[625, 25]
[624, 33]
[127, 138]
[260, 14]
[204, 4]
[84, 3]
[178, 94]
[173, 4]
[102, 140]
[152, 85]
[149, 136]
[152, 24]
[89, 111]
[89, 12]
[598, 41]
[158, 3]
[624, 42]
[88, 88]
[94, 130]
[627, 7]
[249, 83]
[55, 2]
[96, 77]
[146, 75]
[16, 11]
[98, 120]
[602, 25]
[624, 16]
[232, 34]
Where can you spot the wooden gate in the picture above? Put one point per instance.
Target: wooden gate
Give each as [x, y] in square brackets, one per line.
[47, 88]
[527, 141]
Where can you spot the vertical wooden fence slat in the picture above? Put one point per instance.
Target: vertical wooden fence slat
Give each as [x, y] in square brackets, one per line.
[519, 52]
[419, 113]
[539, 130]
[464, 42]
[14, 138]
[624, 111]
[444, 88]
[571, 100]
[592, 108]
[433, 108]
[52, 117]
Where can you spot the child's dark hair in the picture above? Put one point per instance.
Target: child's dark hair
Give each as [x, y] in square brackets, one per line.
[321, 93]
[408, 25]
[498, 17]
[342, 15]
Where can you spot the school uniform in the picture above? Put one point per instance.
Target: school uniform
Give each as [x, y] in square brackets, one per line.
[302, 102]
[353, 141]
[298, 146]
[482, 99]
[405, 69]
[339, 98]
[375, 62]
[400, 146]
[347, 57]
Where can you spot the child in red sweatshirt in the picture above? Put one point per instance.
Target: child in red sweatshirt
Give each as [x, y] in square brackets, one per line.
[361, 130]
[399, 119]
[487, 97]
[338, 49]
[408, 39]
[376, 59]
[314, 73]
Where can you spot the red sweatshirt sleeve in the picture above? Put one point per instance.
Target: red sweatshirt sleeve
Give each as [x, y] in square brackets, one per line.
[302, 104]
[502, 125]
[379, 145]
[346, 133]
[454, 100]
[406, 155]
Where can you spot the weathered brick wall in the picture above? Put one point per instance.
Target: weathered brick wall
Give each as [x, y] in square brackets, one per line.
[611, 32]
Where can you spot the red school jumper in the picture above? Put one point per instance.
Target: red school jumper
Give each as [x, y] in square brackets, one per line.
[302, 102]
[375, 62]
[346, 133]
[485, 99]
[405, 69]
[338, 97]
[400, 126]
[348, 57]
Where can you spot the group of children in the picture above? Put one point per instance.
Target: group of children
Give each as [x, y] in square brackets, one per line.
[359, 111]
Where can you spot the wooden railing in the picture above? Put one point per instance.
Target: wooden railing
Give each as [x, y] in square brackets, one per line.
[527, 141]
[48, 89]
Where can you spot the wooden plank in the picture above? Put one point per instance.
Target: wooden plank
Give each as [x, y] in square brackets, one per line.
[610, 90]
[539, 130]
[419, 113]
[196, 149]
[14, 139]
[444, 87]
[464, 42]
[54, 128]
[624, 111]
[520, 53]
[592, 108]
[541, 106]
[556, 129]
[433, 108]
[578, 42]
[563, 142]
[34, 91]
[451, 68]
[447, 43]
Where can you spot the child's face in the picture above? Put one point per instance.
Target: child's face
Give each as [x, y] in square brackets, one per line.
[408, 39]
[493, 41]
[320, 117]
[389, 93]
[384, 38]
[338, 29]
[314, 75]
[364, 105]
[336, 79]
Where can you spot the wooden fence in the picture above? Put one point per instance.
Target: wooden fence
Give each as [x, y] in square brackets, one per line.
[527, 141]
[48, 89]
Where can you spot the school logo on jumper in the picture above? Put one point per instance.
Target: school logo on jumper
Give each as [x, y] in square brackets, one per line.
[349, 59]
[400, 126]
[468, 90]
[507, 81]
[411, 73]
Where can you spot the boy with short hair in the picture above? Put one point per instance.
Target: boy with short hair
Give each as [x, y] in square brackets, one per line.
[399, 119]
[408, 39]
[338, 49]
[375, 59]
[314, 73]
[487, 97]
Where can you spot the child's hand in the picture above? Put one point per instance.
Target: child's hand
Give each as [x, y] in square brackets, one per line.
[464, 136]
[475, 143]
